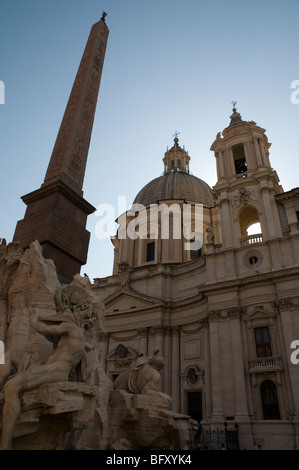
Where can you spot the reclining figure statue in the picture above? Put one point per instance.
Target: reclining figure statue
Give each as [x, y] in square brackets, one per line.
[70, 350]
[144, 377]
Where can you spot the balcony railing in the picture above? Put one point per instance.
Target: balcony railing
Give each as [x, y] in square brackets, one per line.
[252, 239]
[262, 364]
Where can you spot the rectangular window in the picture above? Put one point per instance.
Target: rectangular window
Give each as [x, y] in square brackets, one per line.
[262, 342]
[150, 252]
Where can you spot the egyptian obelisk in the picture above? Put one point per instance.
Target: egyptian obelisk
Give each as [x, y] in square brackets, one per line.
[56, 213]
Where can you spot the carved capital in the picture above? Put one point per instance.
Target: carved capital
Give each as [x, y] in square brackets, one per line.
[283, 305]
[236, 312]
[156, 330]
[214, 315]
[175, 330]
[166, 330]
[142, 332]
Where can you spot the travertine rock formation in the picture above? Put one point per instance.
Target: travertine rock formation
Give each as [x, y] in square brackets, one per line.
[60, 397]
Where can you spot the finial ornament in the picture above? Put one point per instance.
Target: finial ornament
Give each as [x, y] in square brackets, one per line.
[234, 105]
[176, 134]
[104, 16]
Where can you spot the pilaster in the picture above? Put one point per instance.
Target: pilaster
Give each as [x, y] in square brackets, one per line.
[216, 382]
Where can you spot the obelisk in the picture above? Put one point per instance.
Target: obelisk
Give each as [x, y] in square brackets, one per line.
[56, 213]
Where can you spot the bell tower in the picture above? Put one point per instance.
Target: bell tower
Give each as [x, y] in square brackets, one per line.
[246, 183]
[56, 213]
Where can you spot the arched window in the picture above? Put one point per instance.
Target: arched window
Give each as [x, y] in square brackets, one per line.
[172, 164]
[179, 164]
[249, 222]
[269, 400]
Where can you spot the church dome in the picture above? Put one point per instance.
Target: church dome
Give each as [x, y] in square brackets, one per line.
[176, 183]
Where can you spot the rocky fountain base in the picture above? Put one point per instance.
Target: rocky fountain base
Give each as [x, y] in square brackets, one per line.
[60, 398]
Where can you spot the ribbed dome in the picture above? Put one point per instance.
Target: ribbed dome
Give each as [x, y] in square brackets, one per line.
[176, 185]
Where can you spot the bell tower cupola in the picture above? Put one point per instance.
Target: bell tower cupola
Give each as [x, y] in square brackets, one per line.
[246, 184]
[241, 150]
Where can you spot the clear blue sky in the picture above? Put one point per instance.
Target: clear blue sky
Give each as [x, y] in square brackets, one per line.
[171, 65]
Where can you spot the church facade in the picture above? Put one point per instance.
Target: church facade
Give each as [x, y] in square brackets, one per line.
[223, 310]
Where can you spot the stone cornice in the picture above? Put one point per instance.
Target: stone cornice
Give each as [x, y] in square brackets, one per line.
[292, 194]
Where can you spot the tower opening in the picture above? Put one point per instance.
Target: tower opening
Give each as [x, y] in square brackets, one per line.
[239, 159]
[150, 252]
[254, 229]
[249, 222]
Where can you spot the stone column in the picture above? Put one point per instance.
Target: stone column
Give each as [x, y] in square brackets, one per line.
[175, 367]
[159, 346]
[167, 358]
[285, 307]
[248, 156]
[231, 162]
[221, 164]
[143, 341]
[270, 220]
[217, 407]
[238, 366]
[217, 165]
[226, 223]
[207, 390]
[257, 152]
[291, 216]
[263, 153]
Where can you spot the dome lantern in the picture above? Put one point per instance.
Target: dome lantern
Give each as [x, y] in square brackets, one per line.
[176, 159]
